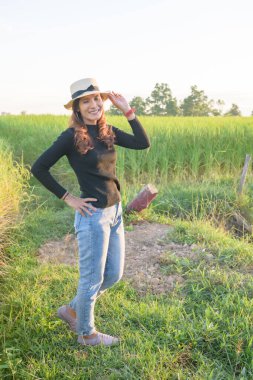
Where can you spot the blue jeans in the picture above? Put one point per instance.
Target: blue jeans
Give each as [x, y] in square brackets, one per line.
[101, 245]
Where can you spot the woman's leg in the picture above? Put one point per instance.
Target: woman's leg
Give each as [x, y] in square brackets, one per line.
[115, 260]
[93, 235]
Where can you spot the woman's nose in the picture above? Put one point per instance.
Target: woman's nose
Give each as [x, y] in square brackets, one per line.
[93, 102]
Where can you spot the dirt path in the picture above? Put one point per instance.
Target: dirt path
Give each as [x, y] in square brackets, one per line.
[146, 246]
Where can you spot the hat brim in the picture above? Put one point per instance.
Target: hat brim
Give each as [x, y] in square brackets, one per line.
[104, 96]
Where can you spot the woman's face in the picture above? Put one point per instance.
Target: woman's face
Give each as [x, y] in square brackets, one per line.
[91, 107]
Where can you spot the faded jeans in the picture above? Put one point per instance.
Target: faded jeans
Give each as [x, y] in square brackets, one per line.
[101, 245]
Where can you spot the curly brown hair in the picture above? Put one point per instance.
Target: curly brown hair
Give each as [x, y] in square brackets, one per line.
[82, 138]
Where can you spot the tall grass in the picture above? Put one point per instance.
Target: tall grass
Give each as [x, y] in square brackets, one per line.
[194, 162]
[191, 148]
[181, 147]
[13, 183]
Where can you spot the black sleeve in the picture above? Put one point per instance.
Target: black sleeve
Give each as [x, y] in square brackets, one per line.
[40, 168]
[139, 140]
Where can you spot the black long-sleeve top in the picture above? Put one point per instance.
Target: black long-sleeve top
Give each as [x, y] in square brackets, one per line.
[95, 170]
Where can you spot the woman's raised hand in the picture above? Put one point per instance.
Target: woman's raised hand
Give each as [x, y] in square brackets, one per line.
[80, 204]
[119, 101]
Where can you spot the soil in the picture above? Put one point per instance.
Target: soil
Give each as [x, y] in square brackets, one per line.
[146, 247]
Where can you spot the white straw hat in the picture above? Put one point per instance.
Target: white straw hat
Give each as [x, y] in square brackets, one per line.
[85, 87]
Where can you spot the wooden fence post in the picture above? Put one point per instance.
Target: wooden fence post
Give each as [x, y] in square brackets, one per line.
[244, 173]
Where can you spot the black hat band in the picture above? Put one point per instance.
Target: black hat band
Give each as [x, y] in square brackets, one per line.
[80, 92]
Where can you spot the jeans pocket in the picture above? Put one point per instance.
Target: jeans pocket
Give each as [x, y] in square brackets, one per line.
[78, 218]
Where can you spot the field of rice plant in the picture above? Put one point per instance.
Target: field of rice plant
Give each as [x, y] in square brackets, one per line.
[182, 147]
[195, 163]
[203, 328]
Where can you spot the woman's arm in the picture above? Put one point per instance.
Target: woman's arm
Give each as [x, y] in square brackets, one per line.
[40, 168]
[139, 140]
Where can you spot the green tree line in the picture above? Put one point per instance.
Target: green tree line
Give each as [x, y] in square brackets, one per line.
[162, 103]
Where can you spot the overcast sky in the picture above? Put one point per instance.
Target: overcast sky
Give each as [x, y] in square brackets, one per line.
[128, 46]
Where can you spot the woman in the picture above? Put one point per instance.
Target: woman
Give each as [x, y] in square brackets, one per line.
[88, 143]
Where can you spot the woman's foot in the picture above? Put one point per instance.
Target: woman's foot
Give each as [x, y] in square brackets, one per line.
[97, 338]
[68, 315]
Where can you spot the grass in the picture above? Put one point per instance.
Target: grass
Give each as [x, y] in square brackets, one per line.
[195, 163]
[201, 330]
[182, 147]
[13, 184]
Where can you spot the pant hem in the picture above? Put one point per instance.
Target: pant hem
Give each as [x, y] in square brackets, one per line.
[85, 333]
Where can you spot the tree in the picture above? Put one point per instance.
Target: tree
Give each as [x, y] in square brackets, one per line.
[218, 111]
[139, 103]
[234, 111]
[161, 101]
[196, 104]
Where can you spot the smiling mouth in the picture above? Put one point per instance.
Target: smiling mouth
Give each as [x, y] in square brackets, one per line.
[95, 112]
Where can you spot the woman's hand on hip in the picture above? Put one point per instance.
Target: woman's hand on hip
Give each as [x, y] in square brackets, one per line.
[80, 204]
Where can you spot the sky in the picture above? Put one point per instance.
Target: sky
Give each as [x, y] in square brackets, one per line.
[128, 46]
